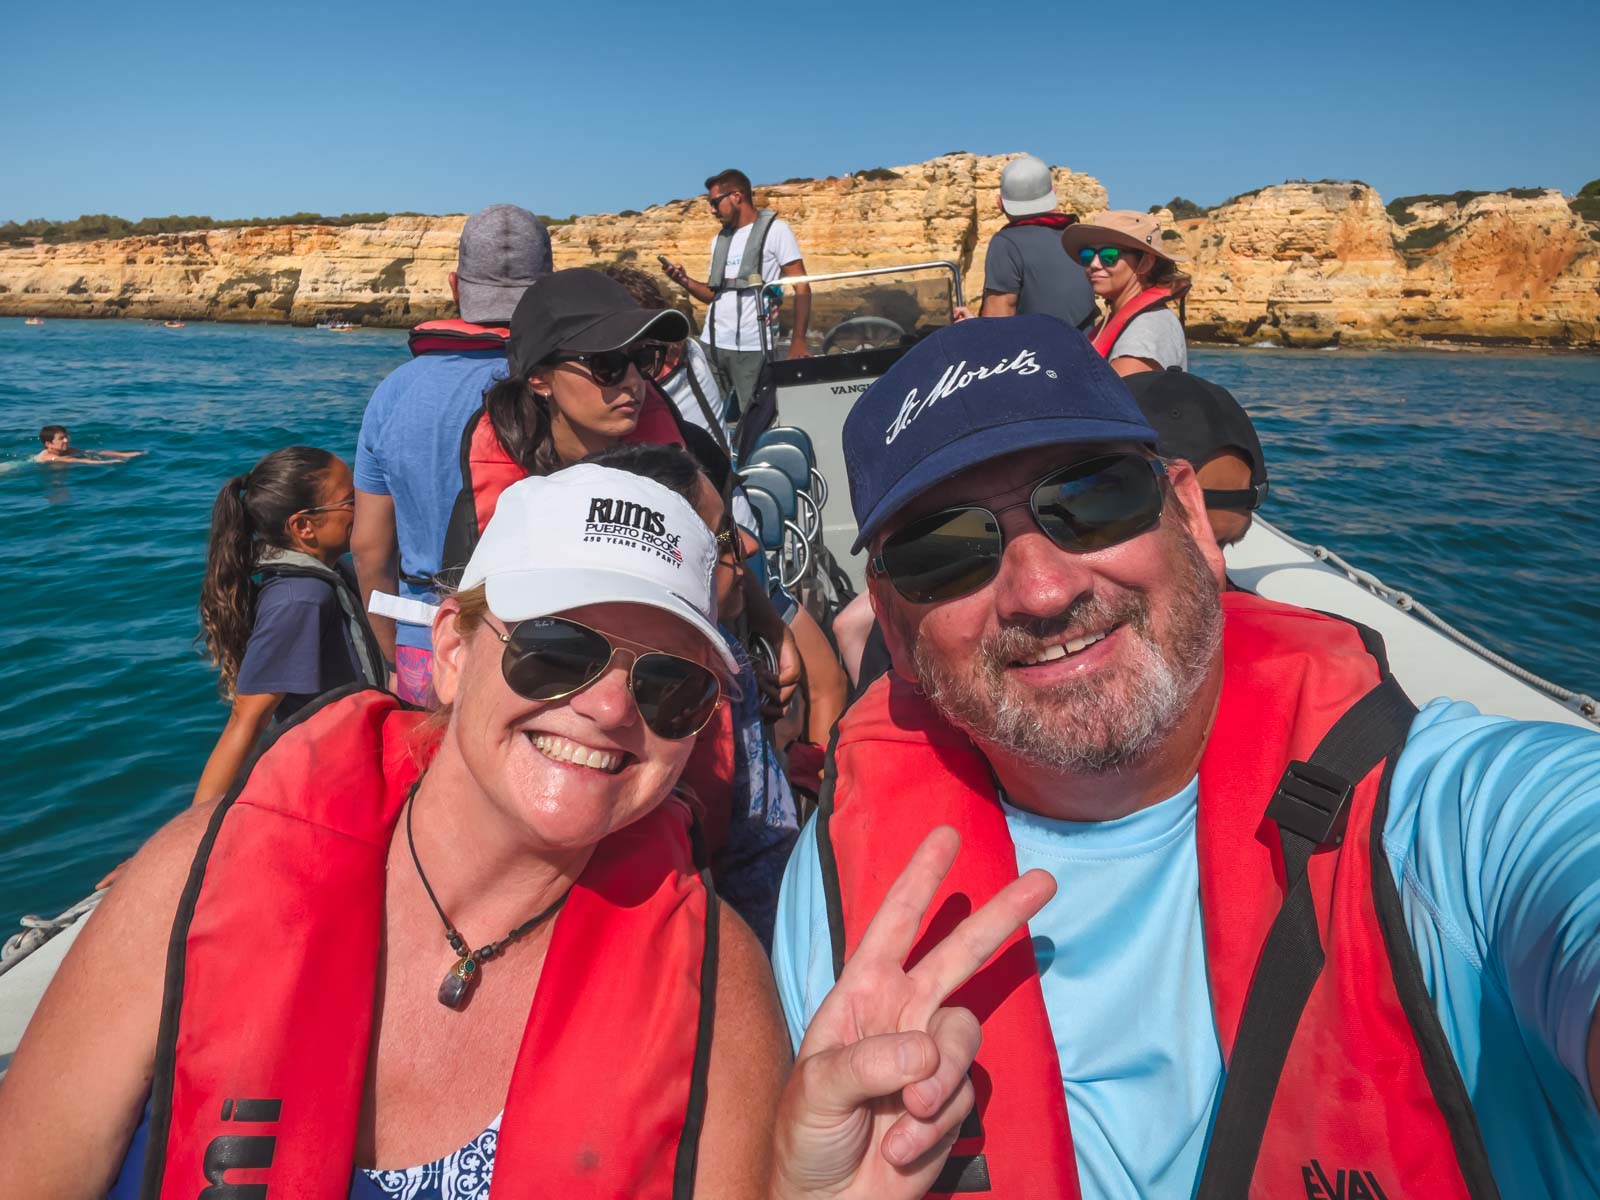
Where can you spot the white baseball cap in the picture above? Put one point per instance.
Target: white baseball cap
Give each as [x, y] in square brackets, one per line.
[1027, 188]
[594, 535]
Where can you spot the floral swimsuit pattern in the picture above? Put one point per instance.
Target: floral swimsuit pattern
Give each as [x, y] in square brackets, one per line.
[462, 1174]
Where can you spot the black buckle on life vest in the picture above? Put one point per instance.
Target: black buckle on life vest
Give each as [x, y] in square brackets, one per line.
[1313, 802]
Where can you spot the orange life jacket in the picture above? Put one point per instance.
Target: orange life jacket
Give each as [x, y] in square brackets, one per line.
[267, 1016]
[1106, 334]
[1367, 1084]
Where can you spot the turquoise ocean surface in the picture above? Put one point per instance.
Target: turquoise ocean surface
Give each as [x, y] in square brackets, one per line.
[1470, 479]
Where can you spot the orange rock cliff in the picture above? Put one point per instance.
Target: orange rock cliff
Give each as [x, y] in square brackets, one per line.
[1309, 264]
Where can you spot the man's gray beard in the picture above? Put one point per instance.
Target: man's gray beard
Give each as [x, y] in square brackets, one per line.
[1088, 726]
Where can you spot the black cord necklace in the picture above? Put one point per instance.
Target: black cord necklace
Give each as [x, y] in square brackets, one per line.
[458, 982]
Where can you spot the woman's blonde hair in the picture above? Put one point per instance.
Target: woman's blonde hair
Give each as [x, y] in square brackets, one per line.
[472, 606]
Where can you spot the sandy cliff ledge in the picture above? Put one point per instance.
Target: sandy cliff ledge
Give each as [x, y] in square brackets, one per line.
[1299, 263]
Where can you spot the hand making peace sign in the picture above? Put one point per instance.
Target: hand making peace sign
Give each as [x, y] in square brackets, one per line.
[880, 1087]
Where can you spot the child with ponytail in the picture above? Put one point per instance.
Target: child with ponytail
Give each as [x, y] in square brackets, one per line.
[279, 611]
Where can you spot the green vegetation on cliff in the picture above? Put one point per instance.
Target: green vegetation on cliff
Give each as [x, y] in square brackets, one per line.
[95, 226]
[1587, 202]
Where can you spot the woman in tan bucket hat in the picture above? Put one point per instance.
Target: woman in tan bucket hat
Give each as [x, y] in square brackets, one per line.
[1139, 281]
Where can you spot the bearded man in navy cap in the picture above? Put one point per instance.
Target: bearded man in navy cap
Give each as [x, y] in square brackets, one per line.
[1306, 940]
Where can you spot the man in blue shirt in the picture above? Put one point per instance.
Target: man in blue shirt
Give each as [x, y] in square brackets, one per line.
[407, 469]
[1049, 592]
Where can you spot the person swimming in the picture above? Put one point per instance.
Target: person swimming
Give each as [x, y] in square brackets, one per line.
[58, 448]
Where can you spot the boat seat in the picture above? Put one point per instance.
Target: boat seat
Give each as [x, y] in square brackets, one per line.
[792, 463]
[787, 550]
[790, 435]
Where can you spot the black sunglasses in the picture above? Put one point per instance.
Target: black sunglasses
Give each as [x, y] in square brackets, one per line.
[609, 367]
[551, 658]
[1088, 506]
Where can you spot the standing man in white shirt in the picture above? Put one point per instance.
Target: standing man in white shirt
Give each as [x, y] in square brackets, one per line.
[754, 248]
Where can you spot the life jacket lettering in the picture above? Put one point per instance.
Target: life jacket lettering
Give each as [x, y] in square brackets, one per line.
[240, 1152]
[1351, 1184]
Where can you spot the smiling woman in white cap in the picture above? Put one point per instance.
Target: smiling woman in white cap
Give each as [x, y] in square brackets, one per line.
[417, 951]
[1139, 280]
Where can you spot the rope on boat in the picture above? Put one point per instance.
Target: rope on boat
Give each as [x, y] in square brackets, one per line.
[1585, 706]
[36, 931]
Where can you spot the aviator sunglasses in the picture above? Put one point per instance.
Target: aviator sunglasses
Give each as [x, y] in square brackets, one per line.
[609, 367]
[1085, 507]
[1109, 255]
[551, 658]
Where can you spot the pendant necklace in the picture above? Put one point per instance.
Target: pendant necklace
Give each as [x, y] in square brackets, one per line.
[458, 981]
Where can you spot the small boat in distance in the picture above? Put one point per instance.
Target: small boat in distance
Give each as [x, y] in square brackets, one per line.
[173, 324]
[338, 326]
[33, 320]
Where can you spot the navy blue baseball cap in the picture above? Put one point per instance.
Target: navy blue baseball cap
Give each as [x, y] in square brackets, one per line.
[978, 390]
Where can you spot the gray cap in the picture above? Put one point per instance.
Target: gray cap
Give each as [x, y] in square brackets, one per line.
[1027, 188]
[503, 249]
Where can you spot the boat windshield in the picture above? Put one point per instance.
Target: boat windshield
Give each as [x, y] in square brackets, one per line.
[871, 309]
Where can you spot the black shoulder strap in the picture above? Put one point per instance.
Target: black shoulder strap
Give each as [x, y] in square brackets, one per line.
[461, 530]
[1310, 809]
[687, 1163]
[713, 421]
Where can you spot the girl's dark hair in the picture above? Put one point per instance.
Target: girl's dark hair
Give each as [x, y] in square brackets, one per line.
[521, 420]
[670, 466]
[251, 510]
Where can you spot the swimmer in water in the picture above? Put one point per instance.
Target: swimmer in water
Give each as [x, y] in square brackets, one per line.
[58, 448]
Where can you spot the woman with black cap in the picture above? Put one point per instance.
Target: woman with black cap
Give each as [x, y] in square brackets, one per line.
[581, 353]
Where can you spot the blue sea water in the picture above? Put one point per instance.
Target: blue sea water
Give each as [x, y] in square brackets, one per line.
[1471, 479]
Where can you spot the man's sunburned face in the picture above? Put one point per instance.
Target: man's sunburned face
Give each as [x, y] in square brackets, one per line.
[1075, 662]
[60, 444]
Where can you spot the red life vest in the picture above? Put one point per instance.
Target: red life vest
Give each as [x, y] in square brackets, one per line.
[1368, 1084]
[1055, 220]
[456, 337]
[267, 1017]
[1106, 335]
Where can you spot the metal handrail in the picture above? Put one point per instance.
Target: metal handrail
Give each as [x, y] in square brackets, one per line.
[864, 272]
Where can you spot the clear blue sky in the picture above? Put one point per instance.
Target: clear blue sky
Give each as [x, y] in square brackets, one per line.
[239, 110]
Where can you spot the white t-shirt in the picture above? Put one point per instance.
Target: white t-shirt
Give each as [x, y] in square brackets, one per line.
[1156, 335]
[677, 388]
[735, 312]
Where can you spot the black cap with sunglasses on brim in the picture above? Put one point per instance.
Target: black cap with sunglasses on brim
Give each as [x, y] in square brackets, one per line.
[1197, 420]
[578, 312]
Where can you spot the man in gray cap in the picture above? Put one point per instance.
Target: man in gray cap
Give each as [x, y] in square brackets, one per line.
[407, 469]
[1026, 270]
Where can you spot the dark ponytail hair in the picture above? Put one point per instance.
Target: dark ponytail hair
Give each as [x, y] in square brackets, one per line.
[521, 420]
[251, 508]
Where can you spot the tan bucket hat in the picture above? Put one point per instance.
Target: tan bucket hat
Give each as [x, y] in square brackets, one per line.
[1120, 227]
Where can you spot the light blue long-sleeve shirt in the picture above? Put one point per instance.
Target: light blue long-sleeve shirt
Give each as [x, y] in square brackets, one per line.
[1493, 834]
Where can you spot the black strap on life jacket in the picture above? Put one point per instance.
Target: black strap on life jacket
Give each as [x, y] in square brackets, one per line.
[713, 420]
[1310, 807]
[363, 642]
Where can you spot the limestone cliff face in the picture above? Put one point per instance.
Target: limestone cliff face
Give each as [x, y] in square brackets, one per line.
[1324, 263]
[394, 273]
[1299, 264]
[945, 209]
